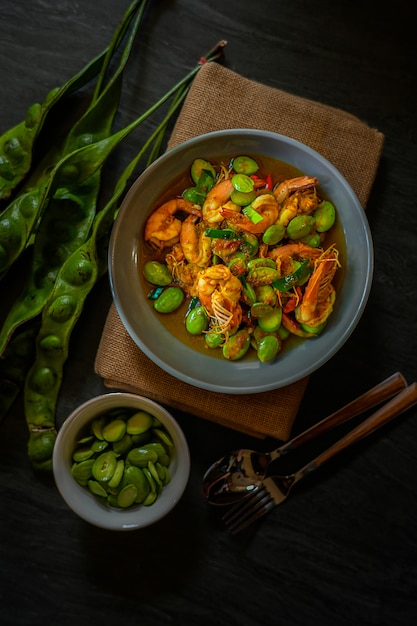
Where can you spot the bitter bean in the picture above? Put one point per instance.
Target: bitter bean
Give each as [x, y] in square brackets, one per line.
[14, 365]
[79, 272]
[128, 477]
[65, 304]
[18, 143]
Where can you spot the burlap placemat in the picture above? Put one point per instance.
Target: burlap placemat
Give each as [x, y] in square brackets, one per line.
[220, 99]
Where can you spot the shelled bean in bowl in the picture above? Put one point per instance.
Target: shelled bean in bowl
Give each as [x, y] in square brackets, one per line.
[121, 461]
[228, 270]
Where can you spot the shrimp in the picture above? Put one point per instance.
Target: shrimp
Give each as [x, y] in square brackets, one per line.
[319, 295]
[162, 228]
[299, 250]
[284, 256]
[183, 273]
[292, 201]
[265, 205]
[195, 245]
[219, 292]
[216, 198]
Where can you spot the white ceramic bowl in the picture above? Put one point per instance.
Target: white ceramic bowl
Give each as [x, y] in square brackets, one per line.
[85, 504]
[201, 369]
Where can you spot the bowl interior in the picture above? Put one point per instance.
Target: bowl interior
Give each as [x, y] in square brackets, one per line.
[203, 370]
[85, 504]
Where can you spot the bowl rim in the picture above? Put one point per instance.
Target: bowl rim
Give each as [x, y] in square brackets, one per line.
[85, 504]
[193, 375]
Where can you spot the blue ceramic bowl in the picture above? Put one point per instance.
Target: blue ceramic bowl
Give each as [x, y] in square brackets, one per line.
[202, 370]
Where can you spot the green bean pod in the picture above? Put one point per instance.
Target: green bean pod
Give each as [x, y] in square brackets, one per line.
[79, 273]
[17, 144]
[59, 234]
[20, 219]
[14, 366]
[74, 282]
[66, 223]
[64, 228]
[17, 223]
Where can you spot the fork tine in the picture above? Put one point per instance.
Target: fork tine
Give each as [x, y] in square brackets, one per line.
[245, 504]
[256, 513]
[243, 515]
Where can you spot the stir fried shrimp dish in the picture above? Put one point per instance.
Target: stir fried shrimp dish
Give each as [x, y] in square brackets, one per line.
[247, 260]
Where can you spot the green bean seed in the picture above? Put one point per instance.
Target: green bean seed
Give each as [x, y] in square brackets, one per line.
[157, 273]
[260, 309]
[83, 472]
[169, 300]
[15, 363]
[263, 275]
[283, 332]
[261, 262]
[99, 446]
[164, 460]
[114, 430]
[324, 216]
[195, 195]
[115, 480]
[104, 466]
[127, 496]
[313, 240]
[134, 475]
[156, 446]
[236, 345]
[163, 436]
[268, 348]
[149, 477]
[97, 426]
[141, 456]
[242, 198]
[150, 498]
[139, 423]
[78, 271]
[97, 489]
[51, 343]
[198, 166]
[271, 321]
[122, 445]
[300, 226]
[266, 294]
[274, 234]
[62, 308]
[313, 330]
[41, 445]
[257, 335]
[242, 183]
[245, 165]
[197, 321]
[213, 340]
[82, 454]
[42, 379]
[154, 473]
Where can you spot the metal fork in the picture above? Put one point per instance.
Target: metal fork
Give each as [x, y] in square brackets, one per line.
[274, 490]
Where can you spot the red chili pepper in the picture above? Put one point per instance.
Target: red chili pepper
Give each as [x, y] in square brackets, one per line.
[262, 183]
[259, 182]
